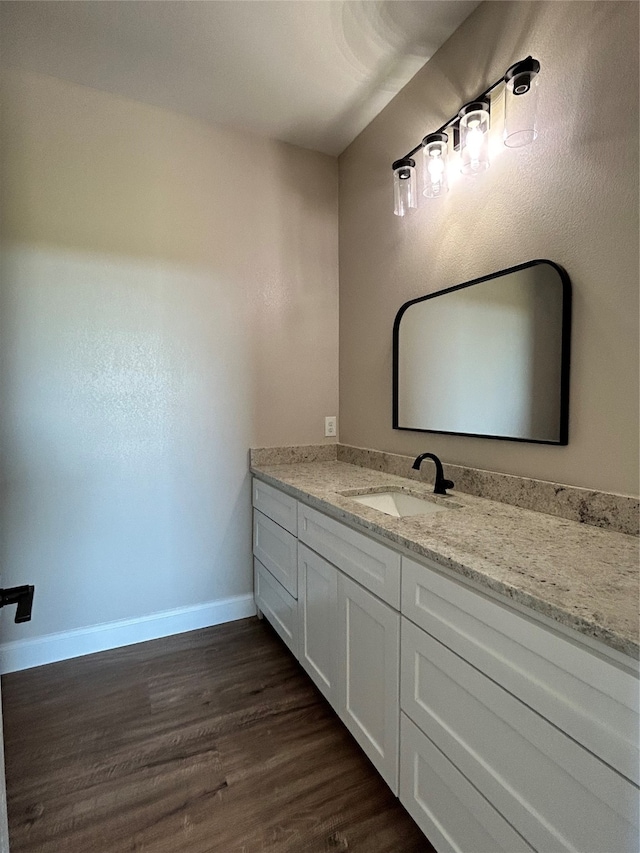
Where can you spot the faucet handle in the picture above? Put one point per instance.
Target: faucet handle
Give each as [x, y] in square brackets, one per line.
[442, 485]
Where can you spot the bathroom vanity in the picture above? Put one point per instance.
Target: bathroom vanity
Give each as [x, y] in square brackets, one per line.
[462, 652]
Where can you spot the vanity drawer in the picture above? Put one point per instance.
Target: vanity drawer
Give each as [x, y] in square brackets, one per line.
[367, 561]
[275, 504]
[276, 549]
[589, 698]
[280, 608]
[556, 794]
[445, 805]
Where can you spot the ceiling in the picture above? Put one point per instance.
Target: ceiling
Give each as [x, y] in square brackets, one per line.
[310, 72]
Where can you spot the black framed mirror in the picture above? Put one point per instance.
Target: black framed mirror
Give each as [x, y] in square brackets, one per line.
[488, 358]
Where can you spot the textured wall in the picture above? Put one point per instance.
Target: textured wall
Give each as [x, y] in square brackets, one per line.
[168, 299]
[571, 197]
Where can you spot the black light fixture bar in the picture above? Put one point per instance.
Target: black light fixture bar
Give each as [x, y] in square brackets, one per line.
[456, 118]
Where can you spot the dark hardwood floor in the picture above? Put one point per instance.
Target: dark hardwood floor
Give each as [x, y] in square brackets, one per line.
[208, 742]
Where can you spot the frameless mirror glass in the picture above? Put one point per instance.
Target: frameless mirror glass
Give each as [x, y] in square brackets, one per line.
[488, 358]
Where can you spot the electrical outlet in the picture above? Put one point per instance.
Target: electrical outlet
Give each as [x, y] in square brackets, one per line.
[330, 426]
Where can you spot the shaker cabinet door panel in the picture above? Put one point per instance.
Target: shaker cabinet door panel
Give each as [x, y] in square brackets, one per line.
[317, 609]
[276, 549]
[556, 794]
[585, 696]
[277, 605]
[366, 560]
[368, 675]
[453, 815]
[283, 509]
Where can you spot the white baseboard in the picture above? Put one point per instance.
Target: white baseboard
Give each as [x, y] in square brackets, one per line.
[24, 654]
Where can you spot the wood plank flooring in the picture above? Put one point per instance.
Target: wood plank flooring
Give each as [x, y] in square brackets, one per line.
[208, 742]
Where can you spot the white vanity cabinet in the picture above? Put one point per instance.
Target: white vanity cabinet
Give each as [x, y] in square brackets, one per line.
[275, 560]
[366, 639]
[349, 644]
[317, 621]
[274, 602]
[453, 814]
[533, 721]
[277, 550]
[498, 731]
[346, 637]
[367, 561]
[368, 675]
[282, 508]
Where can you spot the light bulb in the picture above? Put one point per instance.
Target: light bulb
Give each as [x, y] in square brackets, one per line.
[436, 167]
[434, 164]
[475, 139]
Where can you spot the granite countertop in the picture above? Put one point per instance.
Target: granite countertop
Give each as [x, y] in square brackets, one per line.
[581, 576]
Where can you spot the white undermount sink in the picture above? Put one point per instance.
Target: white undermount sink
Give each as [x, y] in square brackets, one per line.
[399, 504]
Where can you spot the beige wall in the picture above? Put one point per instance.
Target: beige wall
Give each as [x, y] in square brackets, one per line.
[571, 197]
[168, 299]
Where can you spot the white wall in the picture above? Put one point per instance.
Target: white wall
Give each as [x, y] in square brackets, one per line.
[168, 299]
[571, 197]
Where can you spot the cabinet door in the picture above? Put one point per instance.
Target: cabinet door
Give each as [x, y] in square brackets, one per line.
[453, 814]
[556, 794]
[272, 502]
[277, 550]
[280, 608]
[317, 606]
[366, 560]
[368, 680]
[582, 694]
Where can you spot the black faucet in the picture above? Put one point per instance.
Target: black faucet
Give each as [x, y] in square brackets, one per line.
[441, 485]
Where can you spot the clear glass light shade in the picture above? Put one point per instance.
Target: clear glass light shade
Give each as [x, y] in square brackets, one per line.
[474, 138]
[405, 191]
[520, 107]
[434, 171]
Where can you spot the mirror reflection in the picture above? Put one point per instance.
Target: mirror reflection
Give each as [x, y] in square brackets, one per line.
[488, 358]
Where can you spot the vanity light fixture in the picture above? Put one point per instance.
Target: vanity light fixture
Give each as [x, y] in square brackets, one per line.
[405, 196]
[469, 131]
[474, 137]
[434, 163]
[521, 103]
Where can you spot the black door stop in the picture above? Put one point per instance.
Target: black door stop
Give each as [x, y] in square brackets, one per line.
[23, 597]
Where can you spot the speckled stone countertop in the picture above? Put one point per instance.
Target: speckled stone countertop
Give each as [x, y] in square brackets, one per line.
[581, 576]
